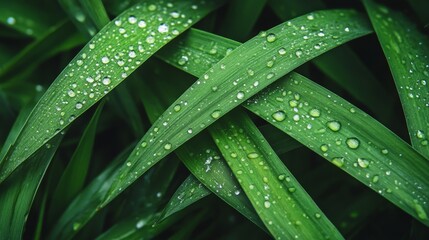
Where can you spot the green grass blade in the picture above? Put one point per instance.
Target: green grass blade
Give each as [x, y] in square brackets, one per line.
[84, 205]
[193, 44]
[96, 11]
[200, 154]
[92, 73]
[342, 65]
[350, 139]
[79, 17]
[37, 51]
[29, 20]
[228, 83]
[189, 192]
[406, 51]
[240, 18]
[283, 205]
[73, 177]
[18, 191]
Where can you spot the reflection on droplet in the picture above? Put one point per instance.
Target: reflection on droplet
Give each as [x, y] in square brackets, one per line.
[334, 126]
[353, 143]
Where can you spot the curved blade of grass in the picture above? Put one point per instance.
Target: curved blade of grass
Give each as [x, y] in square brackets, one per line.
[192, 44]
[28, 20]
[37, 51]
[234, 79]
[18, 191]
[283, 205]
[73, 177]
[240, 18]
[84, 206]
[200, 154]
[79, 17]
[350, 139]
[407, 52]
[96, 11]
[342, 65]
[115, 52]
[190, 191]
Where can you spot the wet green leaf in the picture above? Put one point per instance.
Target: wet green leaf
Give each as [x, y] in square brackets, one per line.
[115, 52]
[407, 52]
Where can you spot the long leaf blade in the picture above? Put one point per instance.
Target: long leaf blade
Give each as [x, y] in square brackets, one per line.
[407, 52]
[130, 40]
[228, 84]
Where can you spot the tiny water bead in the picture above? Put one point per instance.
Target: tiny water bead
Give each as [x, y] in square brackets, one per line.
[79, 105]
[267, 204]
[353, 143]
[163, 28]
[132, 19]
[334, 126]
[105, 60]
[142, 24]
[177, 107]
[324, 148]
[279, 116]
[282, 51]
[271, 37]
[167, 146]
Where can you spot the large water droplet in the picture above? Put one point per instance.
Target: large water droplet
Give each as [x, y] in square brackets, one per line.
[215, 114]
[267, 204]
[106, 81]
[334, 126]
[71, 93]
[240, 95]
[252, 155]
[163, 28]
[279, 116]
[363, 163]
[271, 37]
[167, 146]
[353, 143]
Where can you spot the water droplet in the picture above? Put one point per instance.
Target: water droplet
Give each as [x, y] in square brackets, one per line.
[267, 204]
[314, 112]
[143, 144]
[150, 39]
[291, 189]
[252, 155]
[129, 164]
[282, 51]
[215, 114]
[183, 60]
[240, 95]
[105, 60]
[335, 126]
[310, 17]
[78, 105]
[270, 75]
[420, 134]
[279, 116]
[250, 72]
[142, 24]
[271, 37]
[270, 63]
[175, 14]
[76, 226]
[90, 79]
[347, 29]
[140, 223]
[298, 53]
[375, 178]
[106, 81]
[71, 93]
[293, 103]
[324, 148]
[338, 161]
[177, 107]
[384, 151]
[132, 19]
[167, 146]
[421, 213]
[163, 28]
[281, 177]
[132, 54]
[10, 20]
[363, 163]
[295, 117]
[352, 143]
[190, 131]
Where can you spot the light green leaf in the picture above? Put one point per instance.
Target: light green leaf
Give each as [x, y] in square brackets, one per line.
[407, 52]
[227, 84]
[283, 205]
[350, 139]
[129, 40]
